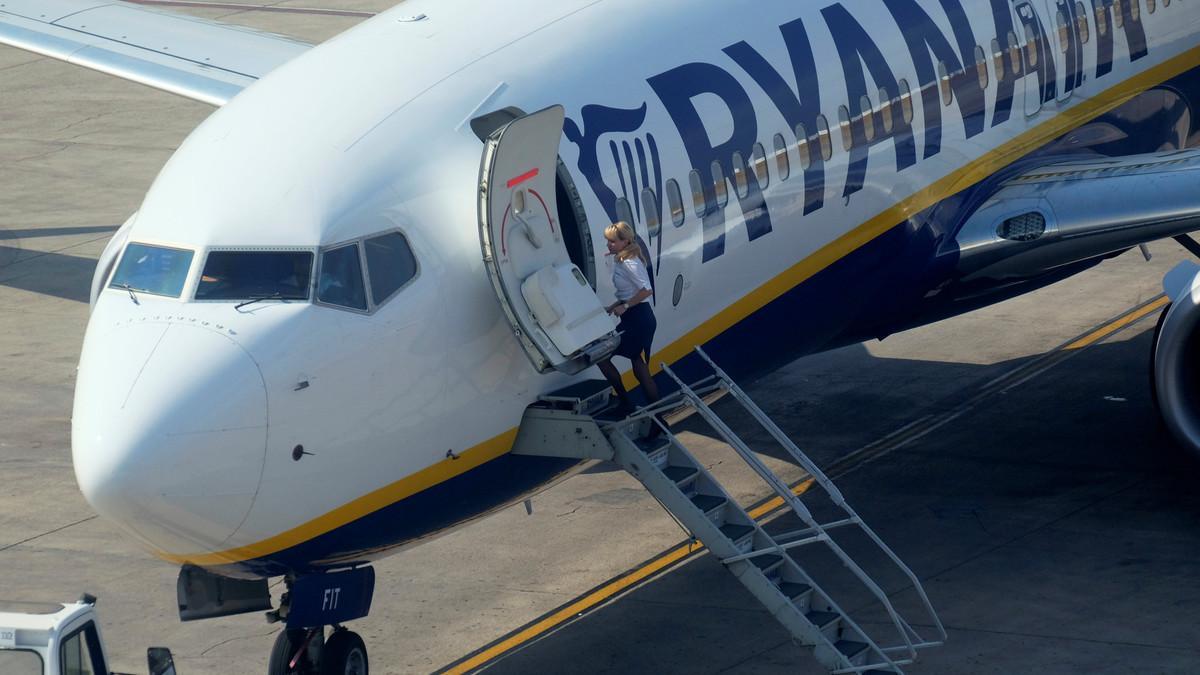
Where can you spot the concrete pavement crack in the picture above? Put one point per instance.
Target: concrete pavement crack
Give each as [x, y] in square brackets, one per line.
[48, 532]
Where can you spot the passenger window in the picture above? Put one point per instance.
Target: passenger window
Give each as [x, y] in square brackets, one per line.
[1031, 52]
[1081, 21]
[650, 208]
[906, 107]
[868, 117]
[823, 137]
[944, 82]
[1149, 7]
[1102, 19]
[763, 176]
[699, 205]
[997, 58]
[625, 211]
[802, 146]
[844, 125]
[1118, 15]
[1166, 3]
[740, 182]
[885, 110]
[719, 184]
[675, 202]
[1014, 54]
[390, 265]
[1135, 10]
[981, 67]
[1064, 36]
[781, 158]
[341, 281]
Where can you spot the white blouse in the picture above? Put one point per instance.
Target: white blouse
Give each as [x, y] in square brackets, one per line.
[629, 277]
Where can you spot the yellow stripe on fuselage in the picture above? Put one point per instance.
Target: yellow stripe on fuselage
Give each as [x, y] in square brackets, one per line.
[968, 175]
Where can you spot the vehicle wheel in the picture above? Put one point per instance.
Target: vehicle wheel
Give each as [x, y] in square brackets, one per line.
[344, 654]
[286, 644]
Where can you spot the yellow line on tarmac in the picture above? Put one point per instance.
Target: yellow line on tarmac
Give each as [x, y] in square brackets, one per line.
[1114, 326]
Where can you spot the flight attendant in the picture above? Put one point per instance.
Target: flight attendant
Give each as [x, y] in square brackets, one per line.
[632, 282]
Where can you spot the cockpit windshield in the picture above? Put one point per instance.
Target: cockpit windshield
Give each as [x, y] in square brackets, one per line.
[157, 270]
[246, 275]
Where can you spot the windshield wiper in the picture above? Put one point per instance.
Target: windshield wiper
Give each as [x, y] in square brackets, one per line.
[132, 295]
[255, 298]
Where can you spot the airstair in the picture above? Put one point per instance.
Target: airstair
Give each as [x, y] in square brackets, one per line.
[576, 422]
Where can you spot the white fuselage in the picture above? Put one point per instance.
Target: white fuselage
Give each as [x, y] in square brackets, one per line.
[187, 413]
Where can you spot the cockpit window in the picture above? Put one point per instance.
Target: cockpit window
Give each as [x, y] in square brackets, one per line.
[341, 280]
[245, 275]
[390, 264]
[157, 270]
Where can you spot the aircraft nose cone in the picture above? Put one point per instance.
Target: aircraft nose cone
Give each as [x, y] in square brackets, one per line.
[169, 432]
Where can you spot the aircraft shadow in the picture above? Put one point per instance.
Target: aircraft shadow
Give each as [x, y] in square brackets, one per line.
[55, 274]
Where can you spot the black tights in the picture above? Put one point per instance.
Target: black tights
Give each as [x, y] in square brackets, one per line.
[641, 370]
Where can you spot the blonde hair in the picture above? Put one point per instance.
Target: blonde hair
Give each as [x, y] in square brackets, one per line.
[622, 231]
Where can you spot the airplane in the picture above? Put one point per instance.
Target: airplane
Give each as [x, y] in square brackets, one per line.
[312, 345]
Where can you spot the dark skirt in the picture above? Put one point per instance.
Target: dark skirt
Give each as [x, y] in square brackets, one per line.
[636, 327]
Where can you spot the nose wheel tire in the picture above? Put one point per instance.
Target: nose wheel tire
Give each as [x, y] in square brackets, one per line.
[287, 644]
[344, 654]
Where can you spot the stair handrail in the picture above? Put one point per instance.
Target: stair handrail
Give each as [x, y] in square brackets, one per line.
[785, 492]
[813, 470]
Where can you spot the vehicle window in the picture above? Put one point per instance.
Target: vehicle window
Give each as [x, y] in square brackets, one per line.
[341, 281]
[243, 275]
[80, 653]
[625, 212]
[1081, 22]
[1102, 19]
[885, 110]
[868, 117]
[944, 79]
[20, 662]
[719, 184]
[1014, 54]
[802, 146]
[650, 208]
[781, 158]
[157, 270]
[390, 265]
[823, 137]
[906, 107]
[981, 67]
[698, 203]
[759, 158]
[740, 182]
[675, 202]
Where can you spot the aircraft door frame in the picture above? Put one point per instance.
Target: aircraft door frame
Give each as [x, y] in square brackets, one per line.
[553, 311]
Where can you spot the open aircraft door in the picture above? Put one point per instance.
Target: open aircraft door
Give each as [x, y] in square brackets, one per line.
[555, 314]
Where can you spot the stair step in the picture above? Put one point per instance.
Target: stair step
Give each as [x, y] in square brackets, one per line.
[708, 503]
[822, 620]
[766, 562]
[735, 531]
[680, 474]
[850, 648]
[793, 590]
[650, 445]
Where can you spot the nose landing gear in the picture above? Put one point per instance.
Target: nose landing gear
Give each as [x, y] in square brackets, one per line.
[311, 603]
[306, 652]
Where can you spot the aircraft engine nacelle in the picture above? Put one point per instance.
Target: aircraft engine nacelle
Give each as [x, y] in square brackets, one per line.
[1176, 355]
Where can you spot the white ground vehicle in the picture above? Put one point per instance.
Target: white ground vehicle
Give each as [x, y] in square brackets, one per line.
[60, 639]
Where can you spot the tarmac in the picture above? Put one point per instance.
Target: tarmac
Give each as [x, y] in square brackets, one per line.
[1020, 471]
